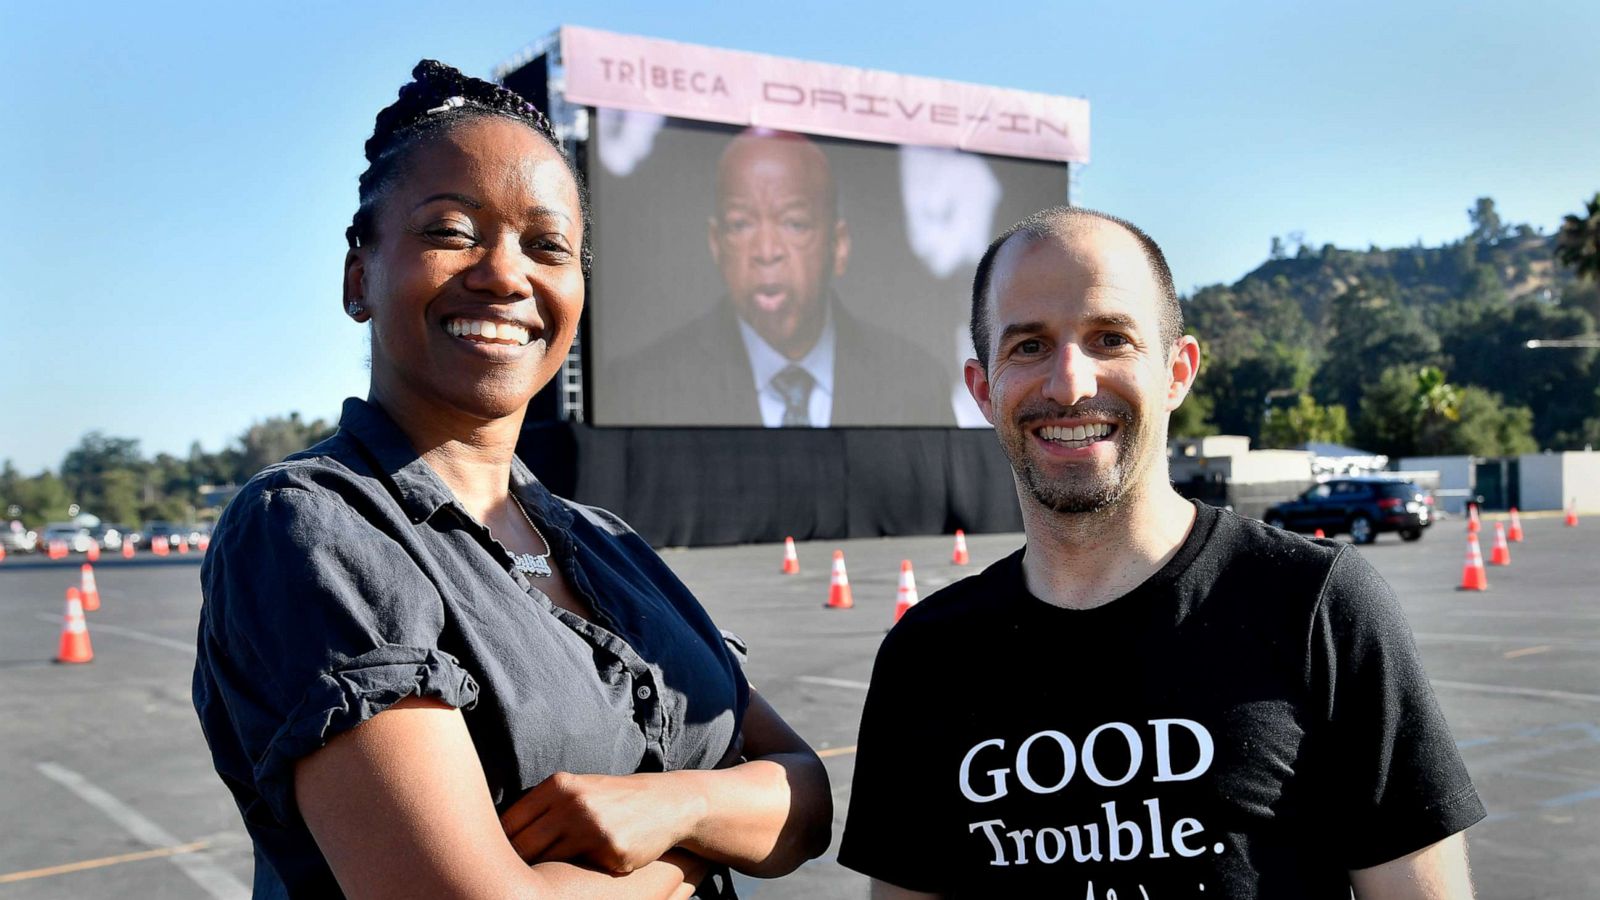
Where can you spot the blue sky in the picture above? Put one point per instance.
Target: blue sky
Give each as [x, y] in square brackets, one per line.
[175, 178]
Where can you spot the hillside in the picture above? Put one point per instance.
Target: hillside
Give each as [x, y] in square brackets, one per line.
[1312, 328]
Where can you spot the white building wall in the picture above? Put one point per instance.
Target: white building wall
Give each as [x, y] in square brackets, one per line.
[1456, 479]
[1184, 468]
[1552, 480]
[1272, 465]
[1581, 477]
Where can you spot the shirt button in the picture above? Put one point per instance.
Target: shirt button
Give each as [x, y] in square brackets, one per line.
[642, 692]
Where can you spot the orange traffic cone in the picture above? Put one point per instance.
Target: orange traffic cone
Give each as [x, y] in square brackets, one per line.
[960, 557]
[1473, 576]
[1500, 553]
[1472, 518]
[1572, 513]
[89, 590]
[2, 554]
[1515, 534]
[93, 553]
[127, 548]
[839, 587]
[791, 560]
[160, 546]
[906, 597]
[75, 646]
[57, 549]
[183, 544]
[203, 543]
[1318, 534]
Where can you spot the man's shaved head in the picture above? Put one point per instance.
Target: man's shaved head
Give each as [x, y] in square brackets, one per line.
[1055, 222]
[755, 147]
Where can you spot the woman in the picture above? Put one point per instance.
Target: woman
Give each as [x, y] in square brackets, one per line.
[421, 674]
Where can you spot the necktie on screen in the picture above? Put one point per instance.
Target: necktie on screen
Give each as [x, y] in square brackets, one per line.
[794, 385]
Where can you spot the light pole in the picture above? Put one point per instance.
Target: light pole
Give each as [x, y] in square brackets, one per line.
[1565, 343]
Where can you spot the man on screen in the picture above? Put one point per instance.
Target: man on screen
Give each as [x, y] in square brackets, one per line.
[1152, 698]
[779, 350]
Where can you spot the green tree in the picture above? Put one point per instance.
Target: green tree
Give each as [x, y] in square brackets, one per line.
[1394, 410]
[86, 468]
[1578, 241]
[1304, 422]
[1238, 390]
[1416, 412]
[1486, 426]
[271, 439]
[1192, 419]
[1486, 225]
[118, 497]
[1489, 349]
[1371, 333]
[43, 498]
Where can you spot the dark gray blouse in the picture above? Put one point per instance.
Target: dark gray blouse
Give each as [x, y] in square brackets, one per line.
[347, 577]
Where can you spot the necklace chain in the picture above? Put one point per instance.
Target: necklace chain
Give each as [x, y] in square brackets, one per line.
[527, 563]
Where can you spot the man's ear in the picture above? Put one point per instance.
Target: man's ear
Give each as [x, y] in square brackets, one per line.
[1184, 366]
[841, 248]
[711, 241]
[978, 386]
[355, 286]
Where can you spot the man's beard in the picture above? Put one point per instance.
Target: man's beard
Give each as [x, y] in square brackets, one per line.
[1079, 489]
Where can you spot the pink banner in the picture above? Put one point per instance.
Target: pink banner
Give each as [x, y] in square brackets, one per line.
[730, 86]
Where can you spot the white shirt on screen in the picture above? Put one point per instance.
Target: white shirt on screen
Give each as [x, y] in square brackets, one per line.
[766, 362]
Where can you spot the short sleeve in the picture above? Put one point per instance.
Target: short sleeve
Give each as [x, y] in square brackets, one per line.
[890, 831]
[314, 621]
[1399, 782]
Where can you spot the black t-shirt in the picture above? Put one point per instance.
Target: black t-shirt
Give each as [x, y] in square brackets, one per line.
[1252, 721]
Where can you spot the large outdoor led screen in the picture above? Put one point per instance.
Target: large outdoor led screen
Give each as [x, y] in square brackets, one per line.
[755, 278]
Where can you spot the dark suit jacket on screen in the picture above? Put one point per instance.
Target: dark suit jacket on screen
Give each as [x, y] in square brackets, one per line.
[701, 375]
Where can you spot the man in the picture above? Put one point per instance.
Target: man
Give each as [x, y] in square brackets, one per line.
[1152, 699]
[779, 350]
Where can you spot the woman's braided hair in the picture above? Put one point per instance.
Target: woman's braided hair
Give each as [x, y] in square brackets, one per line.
[437, 98]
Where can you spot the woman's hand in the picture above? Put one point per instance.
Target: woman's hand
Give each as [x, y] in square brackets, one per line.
[764, 810]
[400, 808]
[616, 822]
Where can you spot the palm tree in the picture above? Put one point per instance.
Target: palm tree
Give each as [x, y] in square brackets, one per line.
[1436, 398]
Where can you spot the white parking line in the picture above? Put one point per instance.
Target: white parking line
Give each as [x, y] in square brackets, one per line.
[1516, 691]
[833, 682]
[211, 878]
[1519, 639]
[1522, 614]
[135, 634]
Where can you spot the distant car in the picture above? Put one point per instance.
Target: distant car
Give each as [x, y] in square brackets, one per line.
[17, 538]
[1360, 507]
[109, 537]
[172, 531]
[76, 537]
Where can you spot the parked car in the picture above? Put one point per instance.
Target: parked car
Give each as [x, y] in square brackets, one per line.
[17, 538]
[1360, 507]
[172, 531]
[76, 537]
[109, 537]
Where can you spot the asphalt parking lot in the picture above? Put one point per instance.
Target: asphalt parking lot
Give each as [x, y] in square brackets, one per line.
[107, 789]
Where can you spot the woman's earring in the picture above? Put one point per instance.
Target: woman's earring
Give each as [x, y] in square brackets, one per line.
[354, 308]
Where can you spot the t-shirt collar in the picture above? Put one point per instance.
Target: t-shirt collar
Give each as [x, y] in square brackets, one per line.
[1136, 604]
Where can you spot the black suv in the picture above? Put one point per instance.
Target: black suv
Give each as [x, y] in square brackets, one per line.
[1360, 507]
